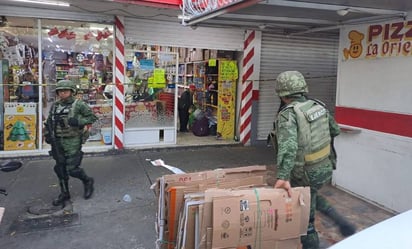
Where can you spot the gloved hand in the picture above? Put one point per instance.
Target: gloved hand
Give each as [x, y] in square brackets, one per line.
[74, 122]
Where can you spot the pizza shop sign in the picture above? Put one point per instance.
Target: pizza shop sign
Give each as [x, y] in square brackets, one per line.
[386, 40]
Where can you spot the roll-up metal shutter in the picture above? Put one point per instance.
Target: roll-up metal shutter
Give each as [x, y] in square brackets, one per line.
[315, 57]
[143, 31]
[55, 14]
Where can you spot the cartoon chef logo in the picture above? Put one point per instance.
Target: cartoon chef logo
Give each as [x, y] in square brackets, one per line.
[355, 49]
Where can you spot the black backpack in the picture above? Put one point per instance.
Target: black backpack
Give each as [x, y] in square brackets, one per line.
[201, 127]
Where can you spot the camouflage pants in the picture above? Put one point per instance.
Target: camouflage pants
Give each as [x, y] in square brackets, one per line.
[70, 149]
[311, 240]
[316, 177]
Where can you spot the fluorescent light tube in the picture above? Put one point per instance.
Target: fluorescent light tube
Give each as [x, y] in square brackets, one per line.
[55, 3]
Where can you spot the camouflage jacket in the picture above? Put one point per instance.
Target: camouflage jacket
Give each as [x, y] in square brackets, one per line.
[61, 111]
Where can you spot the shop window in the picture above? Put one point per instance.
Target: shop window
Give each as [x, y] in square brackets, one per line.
[150, 88]
[81, 52]
[19, 92]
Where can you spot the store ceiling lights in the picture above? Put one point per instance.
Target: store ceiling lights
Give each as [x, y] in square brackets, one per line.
[55, 3]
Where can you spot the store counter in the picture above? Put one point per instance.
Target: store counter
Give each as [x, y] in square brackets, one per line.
[137, 114]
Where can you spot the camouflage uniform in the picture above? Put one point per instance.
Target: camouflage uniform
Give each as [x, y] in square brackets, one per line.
[303, 132]
[68, 119]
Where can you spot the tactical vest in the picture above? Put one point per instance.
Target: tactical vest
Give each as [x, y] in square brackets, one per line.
[313, 132]
[60, 117]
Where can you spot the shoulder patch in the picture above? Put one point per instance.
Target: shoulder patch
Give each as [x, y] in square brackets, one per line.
[284, 115]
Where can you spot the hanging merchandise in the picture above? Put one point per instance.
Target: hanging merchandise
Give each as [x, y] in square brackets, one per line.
[53, 31]
[103, 34]
[4, 42]
[88, 36]
[80, 57]
[70, 35]
[15, 54]
[63, 33]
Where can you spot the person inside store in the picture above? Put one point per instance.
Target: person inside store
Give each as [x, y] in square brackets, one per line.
[66, 131]
[211, 97]
[28, 90]
[185, 106]
[304, 133]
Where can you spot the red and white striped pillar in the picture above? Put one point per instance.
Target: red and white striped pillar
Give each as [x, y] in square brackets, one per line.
[250, 82]
[118, 104]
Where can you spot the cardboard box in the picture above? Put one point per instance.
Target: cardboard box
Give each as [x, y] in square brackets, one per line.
[170, 190]
[206, 54]
[217, 175]
[213, 54]
[229, 208]
[261, 214]
[182, 55]
[196, 54]
[273, 244]
[224, 54]
[174, 197]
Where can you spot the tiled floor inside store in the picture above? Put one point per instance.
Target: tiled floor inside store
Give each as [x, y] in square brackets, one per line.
[183, 139]
[189, 139]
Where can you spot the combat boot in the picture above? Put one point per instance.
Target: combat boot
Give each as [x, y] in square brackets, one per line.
[64, 195]
[61, 200]
[311, 239]
[345, 227]
[88, 188]
[87, 181]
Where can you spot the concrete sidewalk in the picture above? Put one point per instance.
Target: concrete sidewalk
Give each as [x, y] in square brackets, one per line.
[108, 222]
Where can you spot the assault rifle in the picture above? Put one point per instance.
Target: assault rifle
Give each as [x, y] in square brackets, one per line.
[51, 139]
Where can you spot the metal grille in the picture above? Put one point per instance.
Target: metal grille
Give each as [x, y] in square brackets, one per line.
[315, 57]
[175, 35]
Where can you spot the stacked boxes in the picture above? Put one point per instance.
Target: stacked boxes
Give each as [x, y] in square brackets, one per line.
[198, 54]
[229, 208]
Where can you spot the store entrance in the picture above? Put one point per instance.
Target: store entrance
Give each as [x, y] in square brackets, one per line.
[150, 90]
[211, 77]
[202, 90]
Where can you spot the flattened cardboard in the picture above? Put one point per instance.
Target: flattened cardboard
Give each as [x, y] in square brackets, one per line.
[222, 187]
[261, 214]
[272, 244]
[175, 197]
[171, 190]
[218, 174]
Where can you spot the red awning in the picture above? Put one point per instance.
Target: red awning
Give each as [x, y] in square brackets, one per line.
[154, 3]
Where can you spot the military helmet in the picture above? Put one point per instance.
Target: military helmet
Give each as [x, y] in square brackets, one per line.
[289, 83]
[66, 84]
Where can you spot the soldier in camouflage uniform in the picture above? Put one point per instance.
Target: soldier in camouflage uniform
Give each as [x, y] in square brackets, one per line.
[304, 132]
[69, 118]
